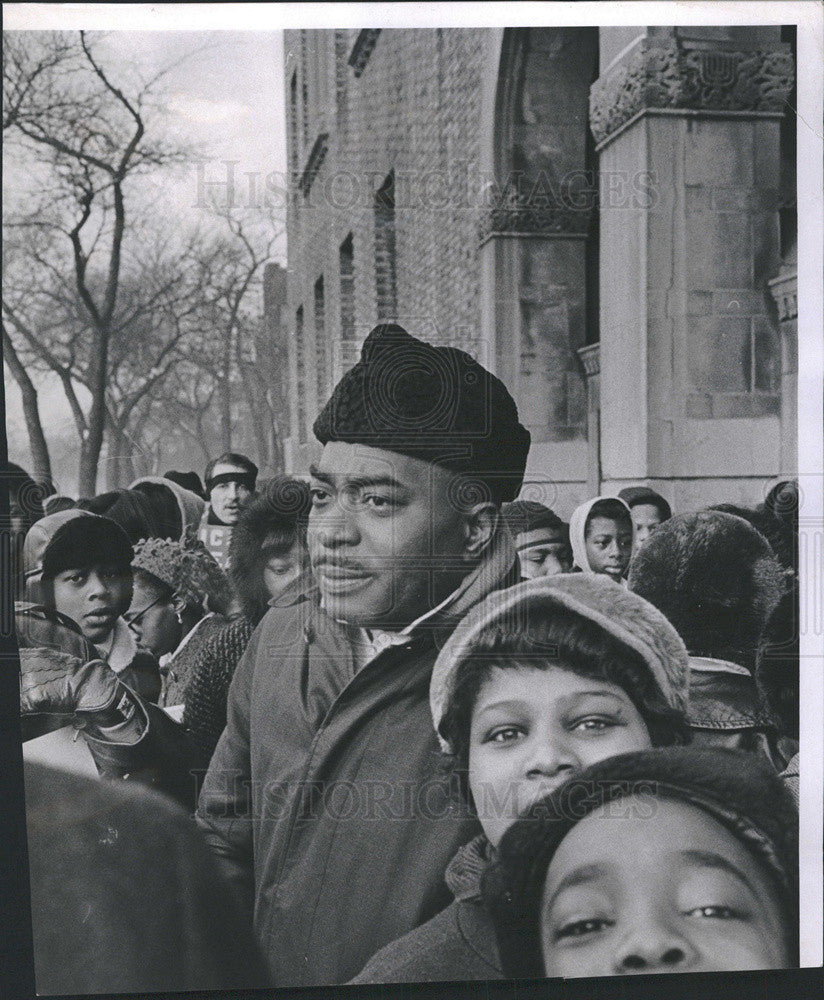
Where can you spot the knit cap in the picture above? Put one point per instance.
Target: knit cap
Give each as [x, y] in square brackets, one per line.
[739, 790]
[529, 515]
[186, 567]
[436, 404]
[618, 612]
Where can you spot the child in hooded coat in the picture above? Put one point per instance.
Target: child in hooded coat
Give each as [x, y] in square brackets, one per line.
[601, 536]
[538, 681]
[68, 554]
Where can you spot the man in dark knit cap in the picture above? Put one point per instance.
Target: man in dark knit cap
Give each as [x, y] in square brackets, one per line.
[323, 800]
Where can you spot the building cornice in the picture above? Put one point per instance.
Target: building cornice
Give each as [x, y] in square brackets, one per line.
[688, 75]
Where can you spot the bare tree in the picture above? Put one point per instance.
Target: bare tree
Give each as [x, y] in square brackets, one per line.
[85, 137]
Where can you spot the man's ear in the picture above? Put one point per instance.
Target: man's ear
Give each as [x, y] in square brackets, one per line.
[480, 523]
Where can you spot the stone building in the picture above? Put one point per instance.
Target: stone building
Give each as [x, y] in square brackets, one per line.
[605, 217]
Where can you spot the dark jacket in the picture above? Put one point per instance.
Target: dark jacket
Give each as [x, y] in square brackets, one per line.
[330, 782]
[457, 944]
[125, 898]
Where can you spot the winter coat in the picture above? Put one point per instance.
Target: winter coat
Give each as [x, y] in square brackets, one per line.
[125, 898]
[177, 669]
[325, 797]
[457, 944]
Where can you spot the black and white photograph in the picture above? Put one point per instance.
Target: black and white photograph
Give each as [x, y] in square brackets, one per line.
[413, 566]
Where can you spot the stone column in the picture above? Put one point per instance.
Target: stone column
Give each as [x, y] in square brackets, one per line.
[686, 123]
[591, 360]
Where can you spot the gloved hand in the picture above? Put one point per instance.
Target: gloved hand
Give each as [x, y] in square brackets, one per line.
[58, 683]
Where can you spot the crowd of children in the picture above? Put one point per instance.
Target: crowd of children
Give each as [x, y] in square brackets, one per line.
[601, 715]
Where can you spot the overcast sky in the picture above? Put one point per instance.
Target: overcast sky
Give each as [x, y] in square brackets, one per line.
[227, 97]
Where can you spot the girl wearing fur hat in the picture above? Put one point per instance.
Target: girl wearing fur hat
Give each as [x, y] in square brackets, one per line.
[538, 682]
[681, 860]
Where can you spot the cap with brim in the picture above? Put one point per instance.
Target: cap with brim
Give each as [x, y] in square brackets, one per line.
[620, 613]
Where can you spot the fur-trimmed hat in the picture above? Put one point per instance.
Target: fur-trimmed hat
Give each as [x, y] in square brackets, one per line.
[715, 578]
[186, 568]
[432, 403]
[619, 613]
[738, 790]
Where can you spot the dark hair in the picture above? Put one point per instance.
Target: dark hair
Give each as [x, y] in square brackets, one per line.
[268, 526]
[529, 515]
[557, 638]
[231, 458]
[166, 508]
[131, 509]
[188, 480]
[608, 507]
[636, 496]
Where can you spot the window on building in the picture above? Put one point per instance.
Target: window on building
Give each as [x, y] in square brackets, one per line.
[294, 138]
[341, 82]
[304, 89]
[385, 265]
[301, 386]
[347, 289]
[320, 343]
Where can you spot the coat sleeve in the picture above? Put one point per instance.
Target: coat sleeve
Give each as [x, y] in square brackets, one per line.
[166, 757]
[224, 812]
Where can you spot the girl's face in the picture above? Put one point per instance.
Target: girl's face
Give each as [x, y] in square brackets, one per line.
[154, 621]
[283, 568]
[93, 597]
[609, 546]
[532, 728]
[646, 885]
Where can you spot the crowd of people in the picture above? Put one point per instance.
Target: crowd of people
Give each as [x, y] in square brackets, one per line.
[395, 725]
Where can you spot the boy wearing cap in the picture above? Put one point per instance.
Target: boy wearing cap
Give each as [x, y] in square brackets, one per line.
[326, 776]
[541, 538]
[679, 860]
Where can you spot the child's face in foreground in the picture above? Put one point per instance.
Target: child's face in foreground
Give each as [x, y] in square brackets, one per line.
[656, 885]
[609, 546]
[533, 728]
[93, 597]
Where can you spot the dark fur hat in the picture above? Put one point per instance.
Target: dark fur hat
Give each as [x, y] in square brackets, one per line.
[715, 578]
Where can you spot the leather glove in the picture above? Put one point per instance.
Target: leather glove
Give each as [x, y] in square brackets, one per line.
[58, 683]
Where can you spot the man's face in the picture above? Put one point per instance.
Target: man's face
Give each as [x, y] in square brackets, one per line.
[609, 546]
[92, 597]
[385, 541]
[542, 552]
[533, 728]
[645, 518]
[647, 885]
[227, 499]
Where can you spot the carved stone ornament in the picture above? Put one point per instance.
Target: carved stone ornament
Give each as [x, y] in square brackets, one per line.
[677, 76]
[523, 214]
